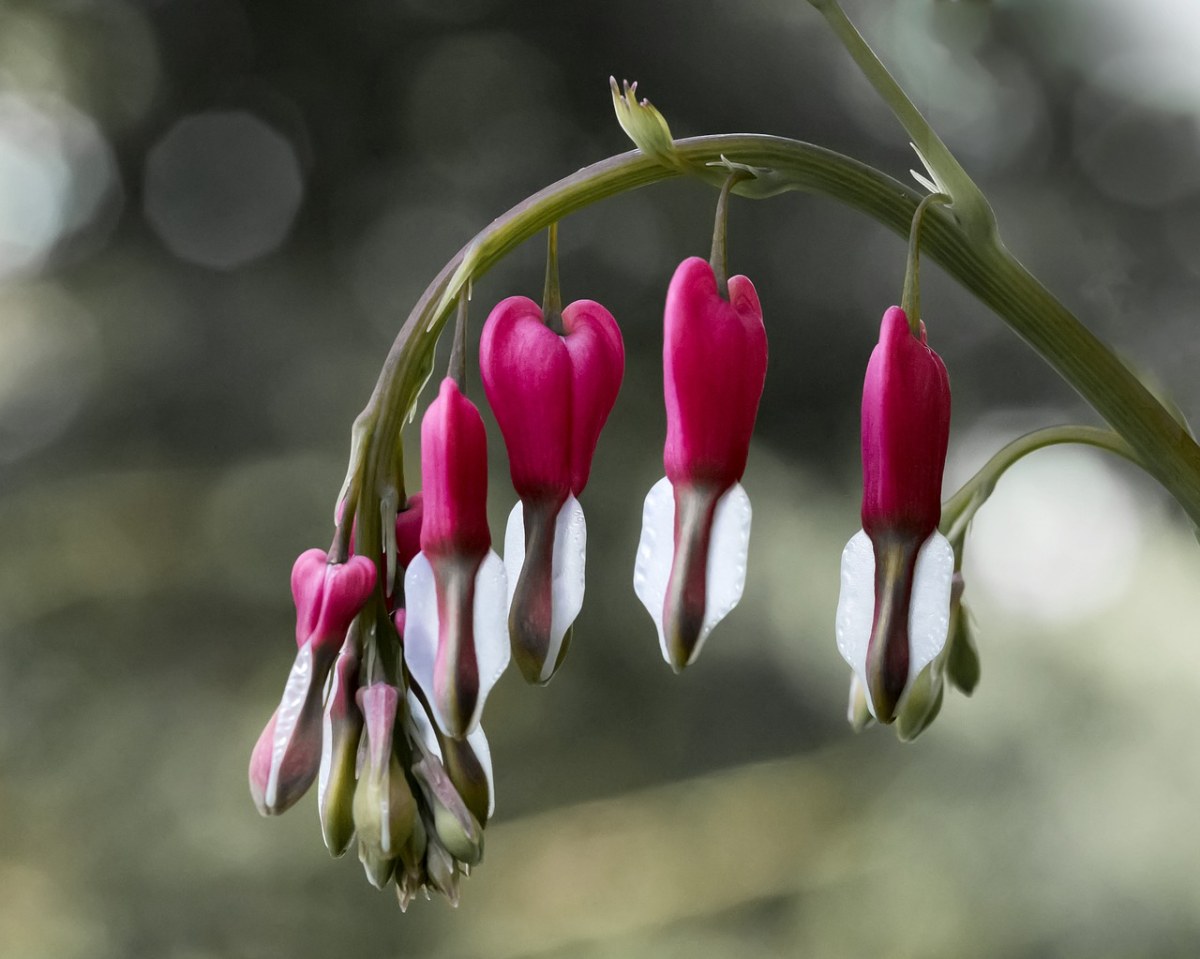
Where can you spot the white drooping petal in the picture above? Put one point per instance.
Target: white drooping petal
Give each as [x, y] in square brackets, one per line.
[297, 699]
[566, 570]
[928, 610]
[490, 629]
[420, 622]
[725, 572]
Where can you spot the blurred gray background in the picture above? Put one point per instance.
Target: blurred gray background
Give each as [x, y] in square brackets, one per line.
[214, 216]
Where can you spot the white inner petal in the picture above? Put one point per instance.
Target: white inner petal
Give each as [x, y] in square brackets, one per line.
[491, 629]
[656, 550]
[492, 651]
[928, 611]
[725, 572]
[421, 626]
[727, 552]
[566, 570]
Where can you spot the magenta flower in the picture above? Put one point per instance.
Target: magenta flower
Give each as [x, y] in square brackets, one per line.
[286, 758]
[691, 563]
[455, 642]
[894, 609]
[551, 395]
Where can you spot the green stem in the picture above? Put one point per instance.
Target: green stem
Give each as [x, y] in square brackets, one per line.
[910, 299]
[981, 264]
[719, 257]
[969, 202]
[552, 293]
[959, 510]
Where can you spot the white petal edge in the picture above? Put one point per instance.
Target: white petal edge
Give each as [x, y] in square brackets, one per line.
[928, 612]
[295, 699]
[566, 570]
[492, 651]
[725, 574]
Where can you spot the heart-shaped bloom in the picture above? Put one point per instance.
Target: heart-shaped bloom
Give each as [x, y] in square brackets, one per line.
[287, 756]
[455, 640]
[691, 562]
[551, 395]
[894, 609]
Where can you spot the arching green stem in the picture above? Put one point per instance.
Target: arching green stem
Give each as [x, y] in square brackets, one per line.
[980, 263]
[960, 509]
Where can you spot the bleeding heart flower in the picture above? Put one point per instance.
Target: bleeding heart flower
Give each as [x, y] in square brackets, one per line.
[691, 563]
[551, 395]
[455, 641]
[894, 610]
[287, 756]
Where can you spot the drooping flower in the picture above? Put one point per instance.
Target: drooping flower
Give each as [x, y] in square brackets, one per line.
[551, 395]
[455, 643]
[894, 609]
[286, 758]
[691, 563]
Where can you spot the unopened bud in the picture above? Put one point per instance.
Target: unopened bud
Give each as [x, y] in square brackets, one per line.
[379, 868]
[286, 758]
[921, 703]
[441, 872]
[456, 828]
[342, 730]
[384, 808]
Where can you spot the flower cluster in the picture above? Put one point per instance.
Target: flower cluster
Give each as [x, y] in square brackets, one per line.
[384, 704]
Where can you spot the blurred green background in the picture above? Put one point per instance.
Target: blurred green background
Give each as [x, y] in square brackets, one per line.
[214, 216]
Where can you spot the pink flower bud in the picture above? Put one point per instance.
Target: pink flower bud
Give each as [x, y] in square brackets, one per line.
[551, 395]
[455, 644]
[328, 596]
[894, 609]
[696, 523]
[714, 366]
[905, 432]
[454, 477]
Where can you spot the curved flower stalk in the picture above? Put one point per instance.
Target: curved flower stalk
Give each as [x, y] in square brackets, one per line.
[894, 610]
[456, 644]
[551, 394]
[691, 561]
[286, 758]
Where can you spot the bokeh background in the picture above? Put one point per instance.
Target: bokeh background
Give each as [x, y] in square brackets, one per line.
[215, 215]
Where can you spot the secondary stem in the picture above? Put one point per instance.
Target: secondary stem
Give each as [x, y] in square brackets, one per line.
[961, 507]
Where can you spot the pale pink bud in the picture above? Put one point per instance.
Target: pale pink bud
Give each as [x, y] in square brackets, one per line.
[328, 596]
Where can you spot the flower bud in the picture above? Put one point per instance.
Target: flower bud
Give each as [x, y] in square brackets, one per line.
[456, 828]
[384, 808]
[893, 613]
[551, 395]
[286, 758]
[456, 643]
[342, 730]
[691, 564]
